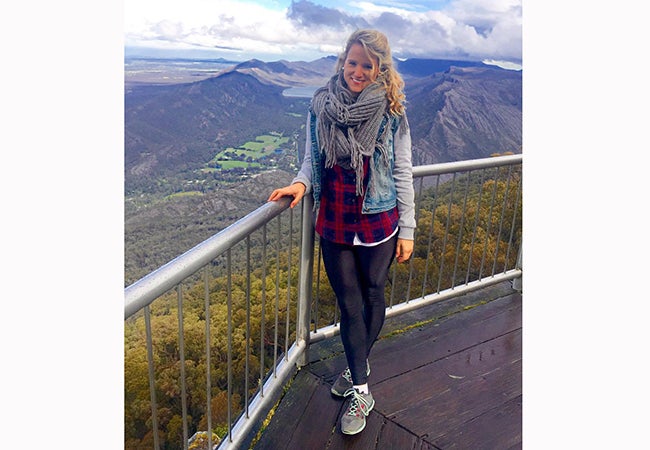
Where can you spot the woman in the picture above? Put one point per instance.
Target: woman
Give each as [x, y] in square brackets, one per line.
[358, 168]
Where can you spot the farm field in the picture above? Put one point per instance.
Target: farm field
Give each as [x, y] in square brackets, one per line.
[249, 154]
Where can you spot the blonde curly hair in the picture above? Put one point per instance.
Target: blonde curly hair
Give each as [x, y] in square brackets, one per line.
[376, 45]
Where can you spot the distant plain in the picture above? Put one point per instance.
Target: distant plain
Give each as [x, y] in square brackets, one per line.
[170, 71]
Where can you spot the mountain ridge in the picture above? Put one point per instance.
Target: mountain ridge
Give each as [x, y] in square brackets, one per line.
[465, 113]
[177, 127]
[173, 131]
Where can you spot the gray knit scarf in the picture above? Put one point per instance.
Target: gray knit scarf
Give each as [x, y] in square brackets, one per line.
[348, 126]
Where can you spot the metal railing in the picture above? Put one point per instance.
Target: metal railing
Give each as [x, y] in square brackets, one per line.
[246, 303]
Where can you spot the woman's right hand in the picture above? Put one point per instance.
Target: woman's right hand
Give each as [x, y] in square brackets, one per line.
[297, 190]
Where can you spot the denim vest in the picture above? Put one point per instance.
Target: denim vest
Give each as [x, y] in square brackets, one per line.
[380, 194]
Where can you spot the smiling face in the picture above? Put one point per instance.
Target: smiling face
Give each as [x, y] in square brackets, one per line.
[359, 71]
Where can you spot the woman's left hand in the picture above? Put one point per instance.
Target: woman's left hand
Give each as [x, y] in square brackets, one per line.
[404, 250]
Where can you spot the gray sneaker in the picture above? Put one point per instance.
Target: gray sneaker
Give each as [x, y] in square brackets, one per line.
[353, 420]
[344, 382]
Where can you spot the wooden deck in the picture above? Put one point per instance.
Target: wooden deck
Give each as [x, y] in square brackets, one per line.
[447, 376]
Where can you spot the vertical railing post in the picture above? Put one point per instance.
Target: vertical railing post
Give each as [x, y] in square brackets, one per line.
[152, 383]
[517, 283]
[305, 277]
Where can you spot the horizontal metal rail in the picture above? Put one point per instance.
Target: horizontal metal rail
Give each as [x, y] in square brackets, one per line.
[147, 289]
[405, 307]
[481, 248]
[461, 166]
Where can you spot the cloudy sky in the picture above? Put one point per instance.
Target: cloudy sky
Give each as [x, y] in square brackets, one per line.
[309, 29]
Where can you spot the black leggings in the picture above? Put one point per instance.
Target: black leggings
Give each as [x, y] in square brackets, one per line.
[358, 276]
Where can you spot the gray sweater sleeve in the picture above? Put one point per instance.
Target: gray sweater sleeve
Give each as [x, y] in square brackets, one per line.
[304, 175]
[403, 175]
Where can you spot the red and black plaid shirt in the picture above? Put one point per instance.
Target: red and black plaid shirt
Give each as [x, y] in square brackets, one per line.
[340, 217]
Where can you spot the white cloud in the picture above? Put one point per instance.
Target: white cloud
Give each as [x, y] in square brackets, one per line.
[503, 64]
[472, 29]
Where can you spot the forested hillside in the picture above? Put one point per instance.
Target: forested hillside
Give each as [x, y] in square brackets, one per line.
[467, 228]
[162, 229]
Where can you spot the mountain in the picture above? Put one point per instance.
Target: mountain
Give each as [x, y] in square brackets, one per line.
[459, 113]
[465, 113]
[174, 128]
[290, 74]
[418, 67]
[177, 195]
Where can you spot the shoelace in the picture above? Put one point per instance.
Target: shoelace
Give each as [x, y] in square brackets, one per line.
[355, 403]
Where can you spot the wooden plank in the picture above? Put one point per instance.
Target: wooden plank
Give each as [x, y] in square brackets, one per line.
[392, 357]
[461, 401]
[500, 427]
[324, 350]
[287, 415]
[419, 405]
[428, 381]
[424, 445]
[447, 335]
[318, 421]
[393, 436]
[454, 389]
[449, 307]
[365, 440]
[327, 359]
[329, 369]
